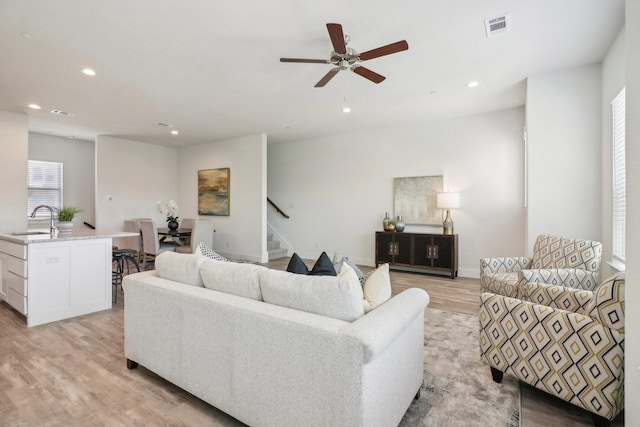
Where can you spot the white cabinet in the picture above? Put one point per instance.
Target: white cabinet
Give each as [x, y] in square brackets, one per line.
[67, 279]
[13, 279]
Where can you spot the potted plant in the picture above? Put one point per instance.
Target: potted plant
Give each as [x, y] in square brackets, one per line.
[65, 217]
[172, 213]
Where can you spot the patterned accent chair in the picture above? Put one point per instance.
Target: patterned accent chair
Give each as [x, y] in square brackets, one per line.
[566, 342]
[573, 263]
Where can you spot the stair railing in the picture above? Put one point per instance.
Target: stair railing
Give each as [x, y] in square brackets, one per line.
[280, 211]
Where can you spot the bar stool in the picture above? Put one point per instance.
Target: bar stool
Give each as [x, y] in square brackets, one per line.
[121, 257]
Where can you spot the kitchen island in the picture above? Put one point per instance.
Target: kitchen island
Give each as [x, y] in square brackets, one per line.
[48, 277]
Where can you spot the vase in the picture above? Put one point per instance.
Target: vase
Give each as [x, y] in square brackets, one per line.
[64, 226]
[173, 225]
[400, 224]
[385, 221]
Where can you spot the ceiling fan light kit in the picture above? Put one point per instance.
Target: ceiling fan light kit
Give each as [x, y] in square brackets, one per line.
[347, 58]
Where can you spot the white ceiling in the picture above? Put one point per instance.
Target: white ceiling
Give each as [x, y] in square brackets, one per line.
[211, 68]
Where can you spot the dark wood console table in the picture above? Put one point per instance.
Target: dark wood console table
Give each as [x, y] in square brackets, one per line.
[436, 253]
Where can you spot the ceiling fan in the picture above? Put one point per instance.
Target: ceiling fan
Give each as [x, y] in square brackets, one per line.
[346, 58]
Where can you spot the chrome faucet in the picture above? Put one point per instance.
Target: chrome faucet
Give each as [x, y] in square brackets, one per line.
[52, 226]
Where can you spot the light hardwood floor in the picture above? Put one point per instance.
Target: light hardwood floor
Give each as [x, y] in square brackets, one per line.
[73, 372]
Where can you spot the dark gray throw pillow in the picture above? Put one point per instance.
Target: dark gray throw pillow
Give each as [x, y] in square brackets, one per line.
[296, 265]
[323, 266]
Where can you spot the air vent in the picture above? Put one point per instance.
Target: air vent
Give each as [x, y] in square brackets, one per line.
[498, 25]
[167, 125]
[62, 113]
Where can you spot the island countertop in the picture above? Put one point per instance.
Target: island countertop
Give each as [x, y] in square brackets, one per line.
[43, 236]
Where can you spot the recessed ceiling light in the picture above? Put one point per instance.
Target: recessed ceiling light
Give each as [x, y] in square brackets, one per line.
[346, 109]
[26, 35]
[34, 106]
[473, 83]
[89, 72]
[174, 132]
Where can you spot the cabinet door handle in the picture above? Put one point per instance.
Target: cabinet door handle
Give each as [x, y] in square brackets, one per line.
[393, 248]
[432, 251]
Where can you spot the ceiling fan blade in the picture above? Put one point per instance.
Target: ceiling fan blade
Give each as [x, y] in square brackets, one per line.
[384, 50]
[368, 74]
[310, 61]
[337, 38]
[331, 74]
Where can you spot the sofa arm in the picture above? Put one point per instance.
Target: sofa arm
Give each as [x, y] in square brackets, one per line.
[568, 277]
[378, 328]
[503, 264]
[575, 300]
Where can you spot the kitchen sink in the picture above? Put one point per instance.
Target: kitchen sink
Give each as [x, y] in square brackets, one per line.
[28, 233]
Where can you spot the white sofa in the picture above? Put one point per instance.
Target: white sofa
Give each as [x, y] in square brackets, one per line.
[267, 364]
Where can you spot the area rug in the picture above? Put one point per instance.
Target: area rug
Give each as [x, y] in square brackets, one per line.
[458, 389]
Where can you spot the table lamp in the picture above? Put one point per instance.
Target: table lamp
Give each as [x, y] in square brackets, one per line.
[448, 201]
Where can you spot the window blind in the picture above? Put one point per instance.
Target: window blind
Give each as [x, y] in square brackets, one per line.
[44, 186]
[619, 177]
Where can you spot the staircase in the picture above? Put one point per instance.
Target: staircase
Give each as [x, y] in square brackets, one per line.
[274, 249]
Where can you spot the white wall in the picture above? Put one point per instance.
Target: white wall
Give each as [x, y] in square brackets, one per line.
[14, 140]
[78, 158]
[564, 149]
[130, 177]
[337, 189]
[632, 321]
[242, 234]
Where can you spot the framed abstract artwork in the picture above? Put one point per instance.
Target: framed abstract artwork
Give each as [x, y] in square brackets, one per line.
[415, 199]
[213, 192]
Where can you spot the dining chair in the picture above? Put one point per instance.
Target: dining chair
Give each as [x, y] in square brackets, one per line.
[150, 241]
[133, 225]
[201, 231]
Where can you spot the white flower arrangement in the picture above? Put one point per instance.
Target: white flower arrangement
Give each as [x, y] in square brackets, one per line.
[170, 207]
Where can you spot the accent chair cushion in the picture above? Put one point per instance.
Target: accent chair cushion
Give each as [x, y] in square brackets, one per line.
[180, 267]
[502, 284]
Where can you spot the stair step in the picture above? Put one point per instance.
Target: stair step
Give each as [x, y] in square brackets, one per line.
[277, 253]
[273, 244]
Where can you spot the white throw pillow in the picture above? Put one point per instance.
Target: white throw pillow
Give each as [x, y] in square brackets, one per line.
[339, 296]
[233, 278]
[377, 288]
[179, 267]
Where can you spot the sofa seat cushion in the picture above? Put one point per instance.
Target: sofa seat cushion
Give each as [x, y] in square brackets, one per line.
[339, 297]
[179, 267]
[233, 278]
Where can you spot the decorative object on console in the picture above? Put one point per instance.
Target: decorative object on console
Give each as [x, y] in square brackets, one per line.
[171, 208]
[385, 221]
[448, 201]
[213, 192]
[415, 197]
[400, 224]
[65, 218]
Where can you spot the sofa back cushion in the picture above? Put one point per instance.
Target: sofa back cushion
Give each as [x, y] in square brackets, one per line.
[233, 278]
[179, 267]
[339, 297]
[559, 252]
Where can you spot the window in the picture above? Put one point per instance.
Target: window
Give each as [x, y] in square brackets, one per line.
[44, 186]
[619, 184]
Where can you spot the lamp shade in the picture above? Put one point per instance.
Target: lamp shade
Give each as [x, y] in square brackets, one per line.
[448, 200]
